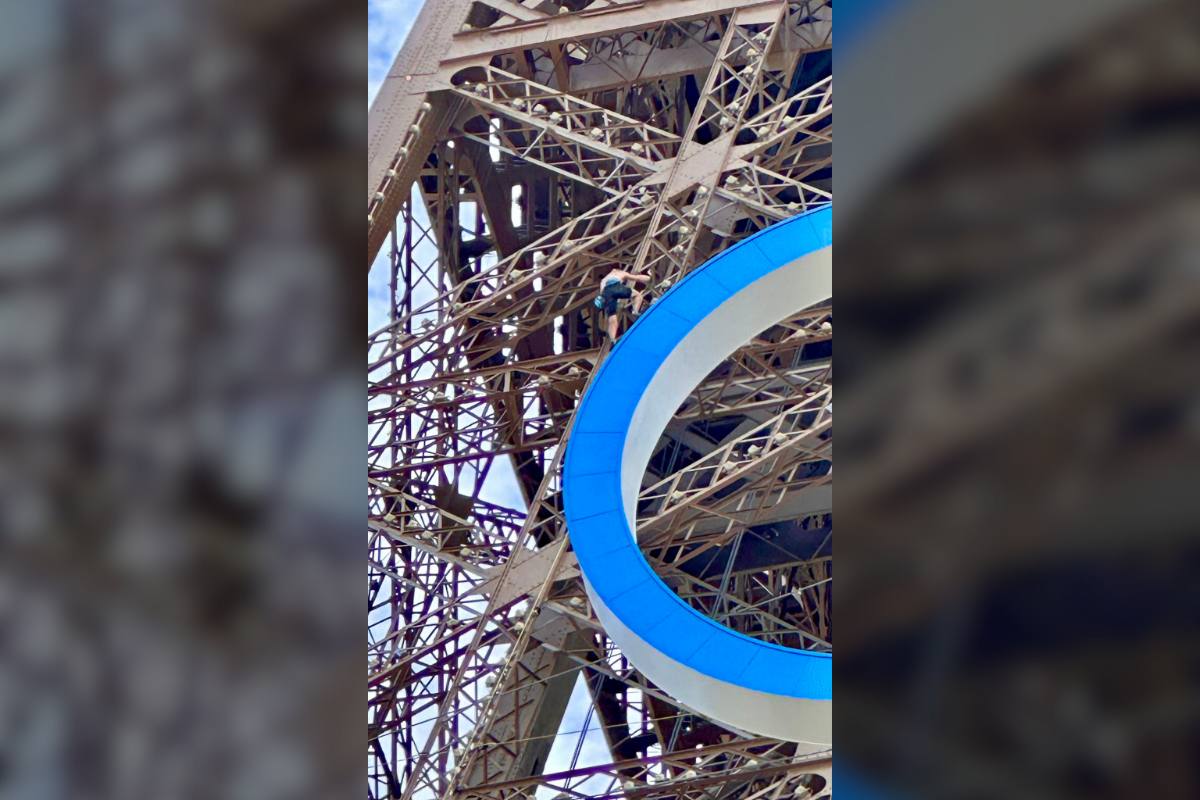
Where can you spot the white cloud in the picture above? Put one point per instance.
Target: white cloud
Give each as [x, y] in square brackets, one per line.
[501, 487]
[388, 22]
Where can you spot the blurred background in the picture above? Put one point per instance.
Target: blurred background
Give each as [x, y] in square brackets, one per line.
[182, 400]
[182, 407]
[1018, 284]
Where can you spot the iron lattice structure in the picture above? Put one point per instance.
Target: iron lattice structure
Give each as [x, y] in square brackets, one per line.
[517, 152]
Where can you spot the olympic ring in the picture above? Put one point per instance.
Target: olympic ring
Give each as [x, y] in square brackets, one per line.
[748, 684]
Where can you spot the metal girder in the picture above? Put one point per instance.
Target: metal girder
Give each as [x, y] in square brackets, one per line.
[405, 96]
[563, 28]
[506, 175]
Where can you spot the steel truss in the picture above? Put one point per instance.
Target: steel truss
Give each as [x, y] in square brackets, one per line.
[517, 152]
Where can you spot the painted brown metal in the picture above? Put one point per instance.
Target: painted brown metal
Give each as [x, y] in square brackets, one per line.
[647, 134]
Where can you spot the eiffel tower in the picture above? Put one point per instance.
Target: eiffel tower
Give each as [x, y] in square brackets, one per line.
[517, 152]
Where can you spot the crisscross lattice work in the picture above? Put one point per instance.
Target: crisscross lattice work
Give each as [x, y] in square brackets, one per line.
[518, 151]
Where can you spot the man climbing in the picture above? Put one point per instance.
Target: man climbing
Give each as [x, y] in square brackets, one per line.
[614, 289]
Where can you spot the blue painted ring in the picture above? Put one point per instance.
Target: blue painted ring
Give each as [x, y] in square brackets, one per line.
[749, 684]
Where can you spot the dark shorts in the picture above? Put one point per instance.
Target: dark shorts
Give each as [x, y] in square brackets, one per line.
[612, 293]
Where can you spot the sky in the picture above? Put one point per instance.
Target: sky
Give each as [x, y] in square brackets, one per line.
[389, 22]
